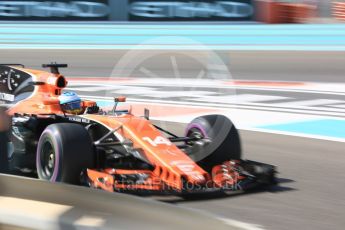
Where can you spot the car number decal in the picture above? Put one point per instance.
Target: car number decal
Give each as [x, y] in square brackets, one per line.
[159, 140]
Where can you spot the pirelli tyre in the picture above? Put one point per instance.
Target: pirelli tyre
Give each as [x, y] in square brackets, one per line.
[64, 150]
[217, 141]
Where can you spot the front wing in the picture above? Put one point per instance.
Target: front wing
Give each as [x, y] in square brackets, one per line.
[235, 175]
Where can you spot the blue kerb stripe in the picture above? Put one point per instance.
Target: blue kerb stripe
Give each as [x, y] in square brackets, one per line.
[271, 37]
[325, 127]
[174, 31]
[177, 47]
[171, 40]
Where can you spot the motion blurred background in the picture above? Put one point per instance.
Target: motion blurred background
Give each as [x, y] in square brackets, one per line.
[285, 60]
[268, 11]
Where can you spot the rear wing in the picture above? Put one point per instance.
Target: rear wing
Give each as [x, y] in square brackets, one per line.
[54, 67]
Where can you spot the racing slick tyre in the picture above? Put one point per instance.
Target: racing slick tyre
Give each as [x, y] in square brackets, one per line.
[218, 141]
[64, 150]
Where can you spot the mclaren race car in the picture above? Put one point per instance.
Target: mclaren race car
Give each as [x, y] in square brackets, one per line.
[78, 143]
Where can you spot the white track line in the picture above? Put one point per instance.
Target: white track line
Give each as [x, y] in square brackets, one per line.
[241, 225]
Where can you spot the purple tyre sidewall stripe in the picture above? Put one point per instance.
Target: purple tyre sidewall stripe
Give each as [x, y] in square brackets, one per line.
[197, 126]
[57, 149]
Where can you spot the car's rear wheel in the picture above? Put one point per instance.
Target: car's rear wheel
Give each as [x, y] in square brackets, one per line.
[64, 150]
[219, 140]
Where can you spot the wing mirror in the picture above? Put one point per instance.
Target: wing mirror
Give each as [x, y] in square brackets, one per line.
[117, 100]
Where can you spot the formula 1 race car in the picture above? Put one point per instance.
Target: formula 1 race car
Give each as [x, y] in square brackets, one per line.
[78, 143]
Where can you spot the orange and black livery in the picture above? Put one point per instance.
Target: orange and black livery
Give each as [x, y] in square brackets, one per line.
[115, 150]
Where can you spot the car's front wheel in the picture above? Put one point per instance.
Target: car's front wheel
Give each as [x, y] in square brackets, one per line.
[217, 140]
[64, 150]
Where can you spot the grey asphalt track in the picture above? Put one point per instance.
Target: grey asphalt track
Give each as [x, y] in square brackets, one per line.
[311, 190]
[250, 65]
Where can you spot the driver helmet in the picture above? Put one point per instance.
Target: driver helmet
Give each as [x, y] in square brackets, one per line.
[70, 102]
